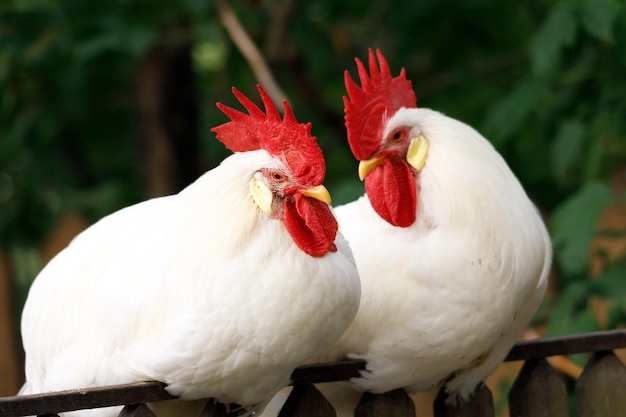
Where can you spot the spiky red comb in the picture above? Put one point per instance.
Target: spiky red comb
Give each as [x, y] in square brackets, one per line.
[286, 139]
[369, 107]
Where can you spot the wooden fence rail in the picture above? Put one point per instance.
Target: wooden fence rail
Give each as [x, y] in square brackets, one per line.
[538, 391]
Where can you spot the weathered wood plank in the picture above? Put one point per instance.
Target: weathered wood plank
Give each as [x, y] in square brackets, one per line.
[396, 403]
[538, 391]
[136, 410]
[479, 405]
[327, 372]
[567, 345]
[306, 401]
[601, 389]
[38, 404]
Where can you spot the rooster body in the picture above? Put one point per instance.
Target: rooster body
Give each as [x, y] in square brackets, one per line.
[204, 290]
[453, 256]
[445, 298]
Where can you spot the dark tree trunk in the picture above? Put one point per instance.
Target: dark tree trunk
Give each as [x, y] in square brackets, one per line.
[168, 119]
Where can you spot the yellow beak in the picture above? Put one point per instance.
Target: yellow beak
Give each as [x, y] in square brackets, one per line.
[366, 166]
[319, 193]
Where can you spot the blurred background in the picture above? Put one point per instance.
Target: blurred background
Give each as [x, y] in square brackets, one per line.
[109, 102]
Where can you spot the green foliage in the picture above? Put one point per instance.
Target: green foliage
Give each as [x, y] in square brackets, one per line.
[509, 116]
[544, 81]
[574, 223]
[555, 33]
[566, 150]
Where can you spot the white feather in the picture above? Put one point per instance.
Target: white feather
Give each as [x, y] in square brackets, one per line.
[200, 290]
[445, 299]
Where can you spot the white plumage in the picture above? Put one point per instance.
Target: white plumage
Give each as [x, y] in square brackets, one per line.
[445, 296]
[445, 299]
[201, 290]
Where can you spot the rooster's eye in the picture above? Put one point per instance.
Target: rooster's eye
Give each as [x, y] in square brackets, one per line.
[397, 136]
[278, 177]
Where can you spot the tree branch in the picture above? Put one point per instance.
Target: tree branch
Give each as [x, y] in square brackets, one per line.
[249, 51]
[281, 12]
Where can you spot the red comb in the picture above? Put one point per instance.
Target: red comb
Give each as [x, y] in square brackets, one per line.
[285, 139]
[369, 107]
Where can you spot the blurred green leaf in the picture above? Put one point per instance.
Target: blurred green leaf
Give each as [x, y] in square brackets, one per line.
[597, 17]
[571, 314]
[566, 149]
[505, 118]
[26, 264]
[610, 287]
[555, 33]
[32, 6]
[209, 56]
[92, 47]
[573, 224]
[611, 281]
[567, 307]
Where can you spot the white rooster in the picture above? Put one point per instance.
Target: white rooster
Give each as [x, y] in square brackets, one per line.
[219, 291]
[453, 256]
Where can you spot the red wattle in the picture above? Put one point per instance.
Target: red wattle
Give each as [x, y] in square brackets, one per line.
[311, 224]
[391, 190]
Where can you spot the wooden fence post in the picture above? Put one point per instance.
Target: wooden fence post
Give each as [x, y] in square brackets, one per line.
[479, 405]
[306, 401]
[396, 403]
[136, 410]
[601, 389]
[538, 391]
[212, 409]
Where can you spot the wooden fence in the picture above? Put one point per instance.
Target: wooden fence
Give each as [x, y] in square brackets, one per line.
[539, 391]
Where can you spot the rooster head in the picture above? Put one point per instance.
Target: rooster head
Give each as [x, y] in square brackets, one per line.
[290, 189]
[390, 156]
